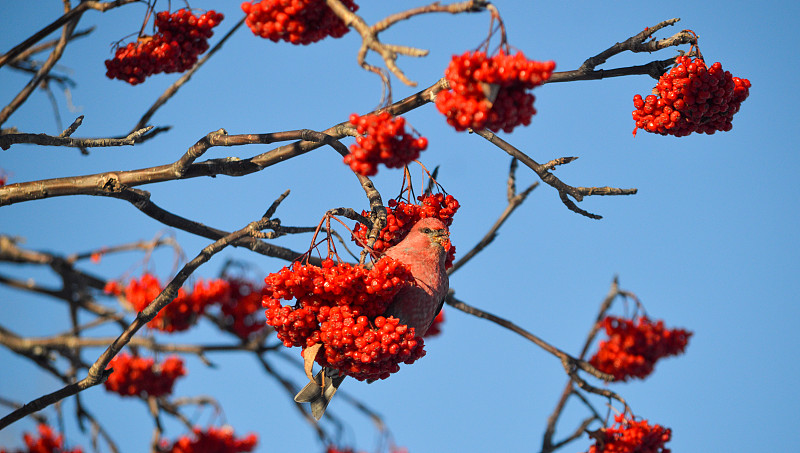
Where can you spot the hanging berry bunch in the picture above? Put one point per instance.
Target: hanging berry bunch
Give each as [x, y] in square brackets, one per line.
[47, 442]
[691, 98]
[401, 216]
[241, 310]
[338, 307]
[183, 311]
[630, 436]
[213, 440]
[295, 21]
[491, 92]
[180, 38]
[382, 139]
[633, 348]
[139, 376]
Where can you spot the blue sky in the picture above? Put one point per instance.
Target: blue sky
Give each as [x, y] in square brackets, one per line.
[709, 243]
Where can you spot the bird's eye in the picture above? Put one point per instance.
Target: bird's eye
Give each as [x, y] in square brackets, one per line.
[427, 230]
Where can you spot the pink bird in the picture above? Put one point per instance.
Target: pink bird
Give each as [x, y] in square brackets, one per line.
[422, 252]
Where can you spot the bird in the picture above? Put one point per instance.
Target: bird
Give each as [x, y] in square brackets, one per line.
[423, 253]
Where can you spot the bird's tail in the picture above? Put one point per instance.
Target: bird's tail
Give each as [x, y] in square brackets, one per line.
[320, 391]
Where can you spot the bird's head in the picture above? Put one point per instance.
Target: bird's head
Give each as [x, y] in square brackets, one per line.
[434, 229]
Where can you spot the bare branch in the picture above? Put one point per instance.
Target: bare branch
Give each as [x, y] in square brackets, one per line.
[55, 55]
[49, 45]
[73, 14]
[570, 363]
[548, 178]
[97, 372]
[6, 140]
[389, 52]
[635, 43]
[72, 127]
[371, 42]
[547, 443]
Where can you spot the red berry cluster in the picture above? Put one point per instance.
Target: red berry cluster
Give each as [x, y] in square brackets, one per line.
[473, 77]
[633, 348]
[382, 140]
[138, 376]
[180, 38]
[436, 326]
[183, 311]
[295, 21]
[402, 216]
[213, 440]
[630, 436]
[339, 305]
[241, 310]
[691, 98]
[47, 442]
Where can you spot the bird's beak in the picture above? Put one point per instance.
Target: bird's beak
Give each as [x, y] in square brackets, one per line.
[441, 236]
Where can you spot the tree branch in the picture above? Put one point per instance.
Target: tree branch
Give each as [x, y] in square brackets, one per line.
[74, 13]
[548, 178]
[97, 372]
[570, 363]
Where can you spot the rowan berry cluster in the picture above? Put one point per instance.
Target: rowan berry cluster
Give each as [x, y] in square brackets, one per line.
[180, 38]
[47, 442]
[382, 139]
[633, 348]
[241, 308]
[475, 79]
[182, 312]
[139, 376]
[295, 21]
[339, 305]
[436, 326]
[213, 440]
[691, 98]
[401, 216]
[630, 436]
